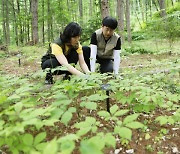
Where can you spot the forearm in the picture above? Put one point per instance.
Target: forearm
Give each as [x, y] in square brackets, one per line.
[84, 68]
[63, 61]
[73, 70]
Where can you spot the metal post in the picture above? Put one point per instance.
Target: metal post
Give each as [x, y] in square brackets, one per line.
[107, 101]
[106, 87]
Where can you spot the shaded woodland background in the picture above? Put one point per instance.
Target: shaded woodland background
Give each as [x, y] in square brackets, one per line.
[39, 21]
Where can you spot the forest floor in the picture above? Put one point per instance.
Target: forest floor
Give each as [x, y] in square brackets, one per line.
[158, 139]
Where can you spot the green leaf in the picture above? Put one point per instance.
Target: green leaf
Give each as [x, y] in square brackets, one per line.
[89, 148]
[66, 117]
[27, 139]
[90, 120]
[147, 136]
[67, 147]
[72, 109]
[121, 112]
[83, 131]
[104, 114]
[162, 119]
[41, 146]
[68, 137]
[2, 142]
[51, 147]
[125, 133]
[110, 140]
[39, 138]
[135, 125]
[130, 118]
[2, 99]
[94, 129]
[97, 140]
[113, 109]
[171, 120]
[96, 97]
[56, 113]
[61, 102]
[18, 107]
[89, 105]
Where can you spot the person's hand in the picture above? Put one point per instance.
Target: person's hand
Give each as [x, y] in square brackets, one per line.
[118, 77]
[84, 76]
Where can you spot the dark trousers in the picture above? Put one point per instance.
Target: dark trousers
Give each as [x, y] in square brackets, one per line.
[106, 65]
[72, 57]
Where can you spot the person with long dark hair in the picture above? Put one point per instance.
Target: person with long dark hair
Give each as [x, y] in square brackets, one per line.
[64, 51]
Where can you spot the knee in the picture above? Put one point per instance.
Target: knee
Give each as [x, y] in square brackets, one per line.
[106, 70]
[108, 67]
[45, 65]
[50, 63]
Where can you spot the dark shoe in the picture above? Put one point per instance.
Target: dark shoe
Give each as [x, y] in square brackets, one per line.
[49, 79]
[66, 77]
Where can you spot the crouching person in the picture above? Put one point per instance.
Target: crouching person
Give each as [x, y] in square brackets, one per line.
[64, 51]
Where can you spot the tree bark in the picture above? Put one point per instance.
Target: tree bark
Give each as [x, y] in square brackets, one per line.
[15, 24]
[34, 11]
[128, 24]
[48, 20]
[7, 22]
[81, 11]
[90, 7]
[43, 31]
[4, 22]
[104, 8]
[20, 22]
[162, 8]
[154, 2]
[120, 14]
[142, 9]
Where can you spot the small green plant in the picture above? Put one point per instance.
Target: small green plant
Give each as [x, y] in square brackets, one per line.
[89, 125]
[149, 148]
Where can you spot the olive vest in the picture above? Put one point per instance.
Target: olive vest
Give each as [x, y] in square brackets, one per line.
[105, 50]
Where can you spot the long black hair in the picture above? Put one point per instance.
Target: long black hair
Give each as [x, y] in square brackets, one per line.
[71, 30]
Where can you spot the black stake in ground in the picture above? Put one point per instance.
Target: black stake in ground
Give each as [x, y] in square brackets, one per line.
[107, 89]
[19, 59]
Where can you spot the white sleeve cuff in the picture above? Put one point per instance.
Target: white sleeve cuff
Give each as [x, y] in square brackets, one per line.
[93, 57]
[116, 54]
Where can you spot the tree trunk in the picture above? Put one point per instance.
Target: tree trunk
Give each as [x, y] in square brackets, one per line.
[34, 10]
[128, 24]
[43, 32]
[150, 7]
[49, 21]
[120, 14]
[104, 8]
[4, 22]
[81, 11]
[7, 22]
[15, 26]
[90, 8]
[141, 4]
[20, 22]
[154, 2]
[26, 20]
[162, 8]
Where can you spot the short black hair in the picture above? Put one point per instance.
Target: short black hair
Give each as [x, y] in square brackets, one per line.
[110, 22]
[71, 30]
